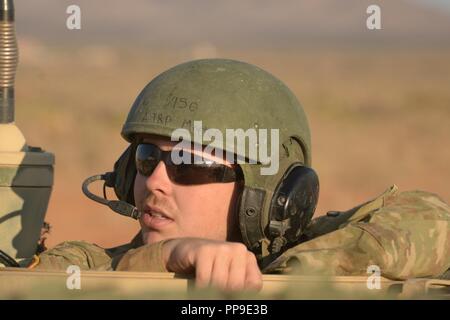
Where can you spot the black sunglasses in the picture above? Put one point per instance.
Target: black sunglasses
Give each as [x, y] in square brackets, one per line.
[149, 155]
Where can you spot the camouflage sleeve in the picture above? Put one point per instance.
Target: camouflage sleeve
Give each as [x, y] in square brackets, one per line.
[85, 255]
[405, 234]
[89, 256]
[147, 258]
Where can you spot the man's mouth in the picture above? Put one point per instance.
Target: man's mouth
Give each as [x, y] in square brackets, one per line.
[157, 215]
[155, 218]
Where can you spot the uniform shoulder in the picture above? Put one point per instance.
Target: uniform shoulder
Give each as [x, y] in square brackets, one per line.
[390, 205]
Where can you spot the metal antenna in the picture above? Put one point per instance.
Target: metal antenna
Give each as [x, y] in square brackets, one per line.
[8, 61]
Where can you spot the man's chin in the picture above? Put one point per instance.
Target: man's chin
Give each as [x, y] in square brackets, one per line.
[149, 237]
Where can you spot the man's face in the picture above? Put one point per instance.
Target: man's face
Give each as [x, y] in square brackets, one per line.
[170, 210]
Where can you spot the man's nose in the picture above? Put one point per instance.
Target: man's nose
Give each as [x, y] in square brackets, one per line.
[159, 180]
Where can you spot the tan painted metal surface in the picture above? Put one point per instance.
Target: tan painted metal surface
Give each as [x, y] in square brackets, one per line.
[33, 284]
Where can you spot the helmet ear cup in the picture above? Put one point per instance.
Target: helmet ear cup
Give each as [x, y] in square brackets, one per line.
[124, 175]
[292, 207]
[289, 211]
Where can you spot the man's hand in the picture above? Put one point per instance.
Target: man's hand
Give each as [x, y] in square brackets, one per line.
[224, 265]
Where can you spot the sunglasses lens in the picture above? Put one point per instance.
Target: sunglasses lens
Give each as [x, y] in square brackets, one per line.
[189, 174]
[147, 158]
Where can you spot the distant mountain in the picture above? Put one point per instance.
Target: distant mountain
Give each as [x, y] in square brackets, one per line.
[231, 23]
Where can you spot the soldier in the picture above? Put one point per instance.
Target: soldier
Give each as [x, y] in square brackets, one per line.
[226, 222]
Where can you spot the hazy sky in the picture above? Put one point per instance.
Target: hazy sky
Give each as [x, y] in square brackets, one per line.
[436, 3]
[233, 23]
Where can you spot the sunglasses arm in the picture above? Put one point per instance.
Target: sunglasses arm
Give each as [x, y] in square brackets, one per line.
[121, 207]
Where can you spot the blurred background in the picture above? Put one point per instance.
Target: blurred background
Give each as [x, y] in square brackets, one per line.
[378, 101]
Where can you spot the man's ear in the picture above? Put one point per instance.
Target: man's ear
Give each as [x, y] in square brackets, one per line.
[125, 174]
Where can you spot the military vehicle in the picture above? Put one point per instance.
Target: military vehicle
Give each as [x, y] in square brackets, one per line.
[26, 180]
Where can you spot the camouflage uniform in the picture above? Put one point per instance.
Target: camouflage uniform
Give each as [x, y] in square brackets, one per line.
[406, 234]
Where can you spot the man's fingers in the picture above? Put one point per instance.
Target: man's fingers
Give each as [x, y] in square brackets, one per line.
[253, 276]
[220, 270]
[203, 270]
[237, 271]
[226, 266]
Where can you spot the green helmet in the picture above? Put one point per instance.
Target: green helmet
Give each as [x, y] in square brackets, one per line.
[226, 94]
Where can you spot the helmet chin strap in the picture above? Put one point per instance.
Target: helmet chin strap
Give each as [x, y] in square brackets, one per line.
[121, 207]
